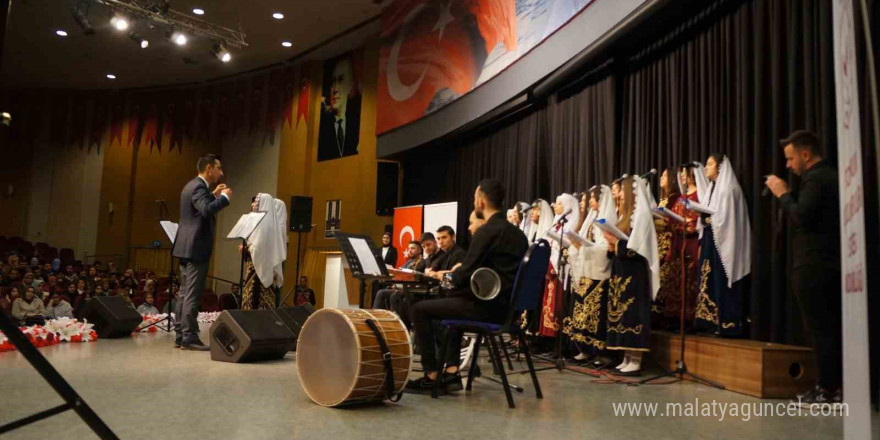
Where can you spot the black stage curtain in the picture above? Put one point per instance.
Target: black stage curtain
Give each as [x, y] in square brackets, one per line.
[734, 77]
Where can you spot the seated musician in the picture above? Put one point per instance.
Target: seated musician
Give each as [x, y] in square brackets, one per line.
[401, 302]
[452, 253]
[498, 245]
[413, 253]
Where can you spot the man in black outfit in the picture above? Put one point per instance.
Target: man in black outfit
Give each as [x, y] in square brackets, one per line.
[498, 245]
[452, 253]
[813, 211]
[194, 245]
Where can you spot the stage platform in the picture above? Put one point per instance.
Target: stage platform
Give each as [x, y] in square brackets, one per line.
[755, 368]
[145, 389]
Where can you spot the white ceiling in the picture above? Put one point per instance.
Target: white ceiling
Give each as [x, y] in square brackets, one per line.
[35, 57]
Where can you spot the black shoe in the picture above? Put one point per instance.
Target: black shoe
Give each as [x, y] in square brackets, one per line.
[451, 382]
[819, 397]
[194, 346]
[422, 385]
[809, 395]
[177, 342]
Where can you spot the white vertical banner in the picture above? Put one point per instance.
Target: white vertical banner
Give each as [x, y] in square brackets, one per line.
[439, 215]
[856, 377]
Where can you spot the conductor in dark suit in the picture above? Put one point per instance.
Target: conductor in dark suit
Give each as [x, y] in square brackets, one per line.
[341, 114]
[194, 244]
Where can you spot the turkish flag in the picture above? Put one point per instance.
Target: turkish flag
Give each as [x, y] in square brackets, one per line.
[407, 228]
[432, 45]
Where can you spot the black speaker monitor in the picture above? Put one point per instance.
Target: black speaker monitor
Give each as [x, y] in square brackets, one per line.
[249, 336]
[294, 318]
[112, 316]
[300, 214]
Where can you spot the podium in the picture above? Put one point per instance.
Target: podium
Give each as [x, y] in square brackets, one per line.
[335, 288]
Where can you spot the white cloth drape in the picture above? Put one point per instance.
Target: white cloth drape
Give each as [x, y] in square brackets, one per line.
[730, 224]
[643, 238]
[267, 245]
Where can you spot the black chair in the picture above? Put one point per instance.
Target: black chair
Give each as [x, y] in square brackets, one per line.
[525, 296]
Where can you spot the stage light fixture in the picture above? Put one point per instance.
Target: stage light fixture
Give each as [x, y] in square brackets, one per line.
[199, 11]
[61, 33]
[111, 76]
[178, 38]
[278, 16]
[286, 43]
[119, 22]
[143, 42]
[221, 53]
[80, 14]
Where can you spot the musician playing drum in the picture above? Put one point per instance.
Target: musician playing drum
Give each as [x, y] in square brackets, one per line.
[497, 245]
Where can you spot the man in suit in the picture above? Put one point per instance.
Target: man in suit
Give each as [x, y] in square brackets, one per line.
[194, 244]
[341, 115]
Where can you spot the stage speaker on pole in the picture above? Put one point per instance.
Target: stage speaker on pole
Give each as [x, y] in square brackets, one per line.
[300, 214]
[386, 187]
[249, 336]
[113, 318]
[294, 318]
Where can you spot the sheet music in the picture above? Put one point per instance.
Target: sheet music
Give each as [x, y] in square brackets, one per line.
[577, 238]
[170, 229]
[665, 213]
[607, 227]
[703, 209]
[246, 225]
[554, 237]
[366, 257]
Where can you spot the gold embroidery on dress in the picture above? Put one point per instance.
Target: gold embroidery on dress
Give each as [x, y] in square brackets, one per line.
[706, 308]
[728, 325]
[616, 308]
[549, 317]
[620, 328]
[664, 243]
[585, 315]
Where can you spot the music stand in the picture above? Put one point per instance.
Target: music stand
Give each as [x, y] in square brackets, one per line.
[242, 230]
[362, 257]
[170, 229]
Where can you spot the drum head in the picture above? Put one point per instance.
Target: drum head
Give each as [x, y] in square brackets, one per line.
[327, 356]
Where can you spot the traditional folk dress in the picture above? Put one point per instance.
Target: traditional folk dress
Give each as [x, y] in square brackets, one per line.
[670, 269]
[557, 275]
[265, 252]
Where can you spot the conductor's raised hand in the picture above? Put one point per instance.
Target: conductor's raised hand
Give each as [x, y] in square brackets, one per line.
[219, 189]
[227, 192]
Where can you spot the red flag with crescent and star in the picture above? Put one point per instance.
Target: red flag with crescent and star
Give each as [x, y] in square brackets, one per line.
[428, 46]
[407, 227]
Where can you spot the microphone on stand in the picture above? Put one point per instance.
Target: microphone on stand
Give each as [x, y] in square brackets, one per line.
[563, 218]
[653, 172]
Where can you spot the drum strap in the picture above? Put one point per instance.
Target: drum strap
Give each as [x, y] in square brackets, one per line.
[386, 357]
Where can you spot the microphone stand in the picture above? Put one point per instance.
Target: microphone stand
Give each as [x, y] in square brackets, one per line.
[681, 369]
[558, 360]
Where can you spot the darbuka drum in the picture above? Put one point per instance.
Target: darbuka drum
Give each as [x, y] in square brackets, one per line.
[339, 360]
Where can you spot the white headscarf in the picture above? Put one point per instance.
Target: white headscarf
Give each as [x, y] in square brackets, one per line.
[643, 238]
[526, 221]
[537, 232]
[569, 203]
[607, 211]
[730, 224]
[265, 244]
[281, 219]
[703, 186]
[592, 261]
[588, 220]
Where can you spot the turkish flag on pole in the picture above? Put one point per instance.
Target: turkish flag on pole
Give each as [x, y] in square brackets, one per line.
[431, 45]
[407, 227]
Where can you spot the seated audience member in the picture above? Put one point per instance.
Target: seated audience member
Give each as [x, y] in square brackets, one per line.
[7, 299]
[99, 290]
[69, 275]
[150, 287]
[47, 269]
[29, 310]
[56, 266]
[389, 252]
[71, 292]
[4, 280]
[93, 277]
[58, 308]
[35, 260]
[123, 293]
[39, 275]
[303, 293]
[79, 301]
[175, 294]
[234, 289]
[148, 308]
[52, 285]
[22, 266]
[81, 287]
[112, 271]
[30, 281]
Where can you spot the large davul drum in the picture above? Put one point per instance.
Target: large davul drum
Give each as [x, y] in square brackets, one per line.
[339, 359]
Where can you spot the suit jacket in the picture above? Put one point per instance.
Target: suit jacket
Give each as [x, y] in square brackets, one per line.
[198, 206]
[327, 146]
[390, 257]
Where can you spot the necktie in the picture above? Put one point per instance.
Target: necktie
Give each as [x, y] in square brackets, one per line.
[340, 137]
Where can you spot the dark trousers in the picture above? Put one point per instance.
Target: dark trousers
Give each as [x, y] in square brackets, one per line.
[817, 290]
[186, 309]
[424, 313]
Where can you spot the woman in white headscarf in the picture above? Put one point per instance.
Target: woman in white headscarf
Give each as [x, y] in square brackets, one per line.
[266, 250]
[525, 218]
[635, 277]
[725, 254]
[591, 268]
[566, 219]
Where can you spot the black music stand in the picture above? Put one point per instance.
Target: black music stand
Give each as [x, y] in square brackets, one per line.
[363, 259]
[242, 230]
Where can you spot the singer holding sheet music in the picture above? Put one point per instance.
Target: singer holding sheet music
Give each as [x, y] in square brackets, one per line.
[815, 262]
[194, 244]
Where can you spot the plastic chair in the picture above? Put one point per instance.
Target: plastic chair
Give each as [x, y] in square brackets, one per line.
[528, 286]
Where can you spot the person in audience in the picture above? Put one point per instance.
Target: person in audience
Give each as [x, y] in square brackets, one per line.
[389, 252]
[72, 292]
[725, 253]
[234, 289]
[47, 269]
[81, 287]
[93, 277]
[79, 301]
[148, 308]
[112, 271]
[58, 308]
[635, 277]
[4, 280]
[99, 290]
[30, 281]
[123, 293]
[497, 245]
[52, 286]
[174, 295]
[39, 275]
[303, 293]
[29, 310]
[69, 274]
[35, 260]
[7, 299]
[452, 253]
[56, 266]
[149, 287]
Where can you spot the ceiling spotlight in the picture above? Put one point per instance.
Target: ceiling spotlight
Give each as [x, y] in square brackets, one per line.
[278, 16]
[80, 14]
[61, 33]
[221, 53]
[119, 22]
[143, 42]
[199, 11]
[111, 76]
[286, 43]
[178, 38]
